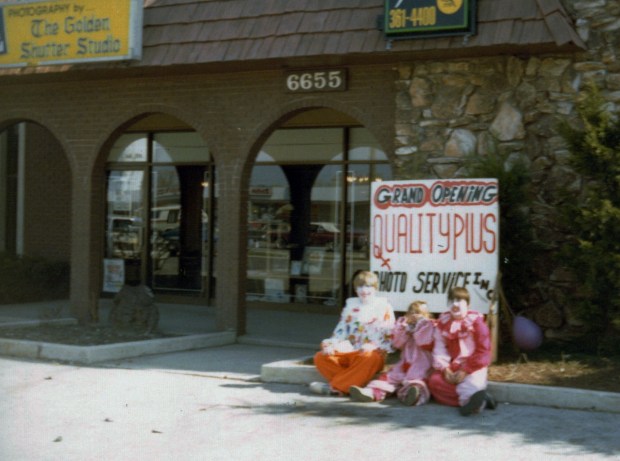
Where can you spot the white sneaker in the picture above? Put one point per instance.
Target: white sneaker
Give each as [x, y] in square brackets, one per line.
[361, 394]
[320, 388]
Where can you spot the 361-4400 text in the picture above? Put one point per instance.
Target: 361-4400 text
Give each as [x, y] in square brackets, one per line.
[418, 17]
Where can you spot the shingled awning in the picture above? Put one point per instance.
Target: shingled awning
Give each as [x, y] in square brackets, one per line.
[184, 31]
[255, 33]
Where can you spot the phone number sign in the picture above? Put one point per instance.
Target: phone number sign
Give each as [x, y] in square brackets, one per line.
[410, 18]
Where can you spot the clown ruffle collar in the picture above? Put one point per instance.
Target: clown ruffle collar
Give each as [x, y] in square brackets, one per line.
[453, 329]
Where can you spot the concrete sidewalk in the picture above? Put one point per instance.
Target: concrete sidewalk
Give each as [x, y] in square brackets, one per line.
[264, 326]
[289, 338]
[210, 404]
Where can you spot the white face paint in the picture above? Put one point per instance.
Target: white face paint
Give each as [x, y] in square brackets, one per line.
[366, 293]
[458, 309]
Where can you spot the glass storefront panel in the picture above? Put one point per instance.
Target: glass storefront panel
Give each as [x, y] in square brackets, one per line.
[125, 226]
[210, 231]
[322, 255]
[357, 226]
[301, 145]
[359, 179]
[167, 205]
[165, 226]
[363, 146]
[268, 235]
[132, 147]
[308, 224]
[179, 227]
[179, 148]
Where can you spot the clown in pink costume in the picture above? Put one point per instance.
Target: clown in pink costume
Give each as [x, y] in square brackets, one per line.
[413, 335]
[461, 356]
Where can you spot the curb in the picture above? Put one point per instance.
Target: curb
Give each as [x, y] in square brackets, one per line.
[257, 341]
[295, 372]
[93, 354]
[36, 323]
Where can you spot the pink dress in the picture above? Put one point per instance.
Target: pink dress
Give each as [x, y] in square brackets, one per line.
[414, 366]
[460, 345]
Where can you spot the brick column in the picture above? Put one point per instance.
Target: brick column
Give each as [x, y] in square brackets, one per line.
[230, 247]
[87, 234]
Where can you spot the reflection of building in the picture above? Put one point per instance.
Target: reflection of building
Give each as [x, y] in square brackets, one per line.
[309, 212]
[241, 126]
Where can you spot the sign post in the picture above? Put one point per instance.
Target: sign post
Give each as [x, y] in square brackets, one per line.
[428, 236]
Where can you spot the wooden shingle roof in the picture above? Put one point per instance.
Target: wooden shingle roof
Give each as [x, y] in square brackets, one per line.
[254, 33]
[192, 31]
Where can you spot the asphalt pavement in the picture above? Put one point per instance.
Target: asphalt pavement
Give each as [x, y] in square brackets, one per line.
[210, 404]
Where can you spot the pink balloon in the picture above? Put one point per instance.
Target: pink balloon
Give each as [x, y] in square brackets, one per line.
[527, 334]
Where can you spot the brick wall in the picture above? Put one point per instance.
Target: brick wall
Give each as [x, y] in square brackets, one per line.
[234, 113]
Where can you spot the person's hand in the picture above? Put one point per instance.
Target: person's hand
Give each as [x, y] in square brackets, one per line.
[327, 347]
[412, 319]
[344, 346]
[448, 375]
[454, 377]
[459, 376]
[368, 347]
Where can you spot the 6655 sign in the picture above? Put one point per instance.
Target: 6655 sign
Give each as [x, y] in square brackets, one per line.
[307, 81]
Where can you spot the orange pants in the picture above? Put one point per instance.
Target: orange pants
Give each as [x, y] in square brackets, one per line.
[345, 369]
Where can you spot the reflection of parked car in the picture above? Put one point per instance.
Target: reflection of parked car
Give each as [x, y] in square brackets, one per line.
[319, 234]
[277, 233]
[360, 240]
[172, 237]
[166, 221]
[124, 237]
[323, 234]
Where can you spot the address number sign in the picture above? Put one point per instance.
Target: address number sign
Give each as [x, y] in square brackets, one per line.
[316, 80]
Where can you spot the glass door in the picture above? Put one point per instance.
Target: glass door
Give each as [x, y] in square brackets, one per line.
[161, 211]
[178, 227]
[165, 227]
[125, 224]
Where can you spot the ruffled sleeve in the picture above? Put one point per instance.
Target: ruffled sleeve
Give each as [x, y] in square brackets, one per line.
[441, 356]
[376, 325]
[400, 333]
[481, 357]
[423, 333]
[360, 325]
[341, 332]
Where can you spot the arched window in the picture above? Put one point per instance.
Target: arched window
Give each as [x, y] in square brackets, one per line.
[160, 222]
[309, 209]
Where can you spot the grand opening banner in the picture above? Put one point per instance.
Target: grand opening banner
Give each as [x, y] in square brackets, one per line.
[428, 236]
[60, 32]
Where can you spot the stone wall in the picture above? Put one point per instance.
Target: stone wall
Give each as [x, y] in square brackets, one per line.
[512, 105]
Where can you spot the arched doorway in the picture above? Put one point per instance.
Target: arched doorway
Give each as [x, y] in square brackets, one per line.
[161, 209]
[308, 210]
[35, 215]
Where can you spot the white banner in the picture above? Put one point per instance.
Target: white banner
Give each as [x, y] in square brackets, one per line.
[428, 236]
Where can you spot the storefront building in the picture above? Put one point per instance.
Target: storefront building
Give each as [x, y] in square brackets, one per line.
[230, 165]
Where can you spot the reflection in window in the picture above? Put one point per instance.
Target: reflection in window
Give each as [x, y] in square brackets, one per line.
[308, 214]
[161, 210]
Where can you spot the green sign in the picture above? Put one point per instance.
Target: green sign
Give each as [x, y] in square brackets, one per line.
[414, 18]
